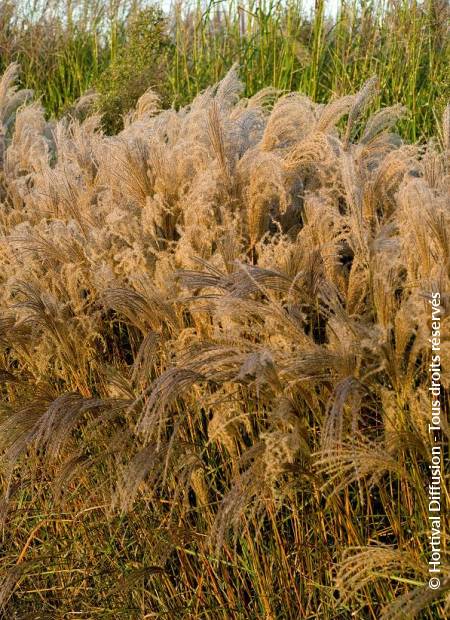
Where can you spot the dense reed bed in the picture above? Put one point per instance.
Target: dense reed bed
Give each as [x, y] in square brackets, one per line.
[214, 353]
[122, 47]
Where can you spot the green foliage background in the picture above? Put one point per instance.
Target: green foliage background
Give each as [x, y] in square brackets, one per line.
[122, 48]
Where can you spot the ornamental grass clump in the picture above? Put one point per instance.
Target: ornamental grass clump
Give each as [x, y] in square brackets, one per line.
[214, 353]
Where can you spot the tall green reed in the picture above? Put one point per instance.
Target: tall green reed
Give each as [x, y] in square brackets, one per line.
[275, 42]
